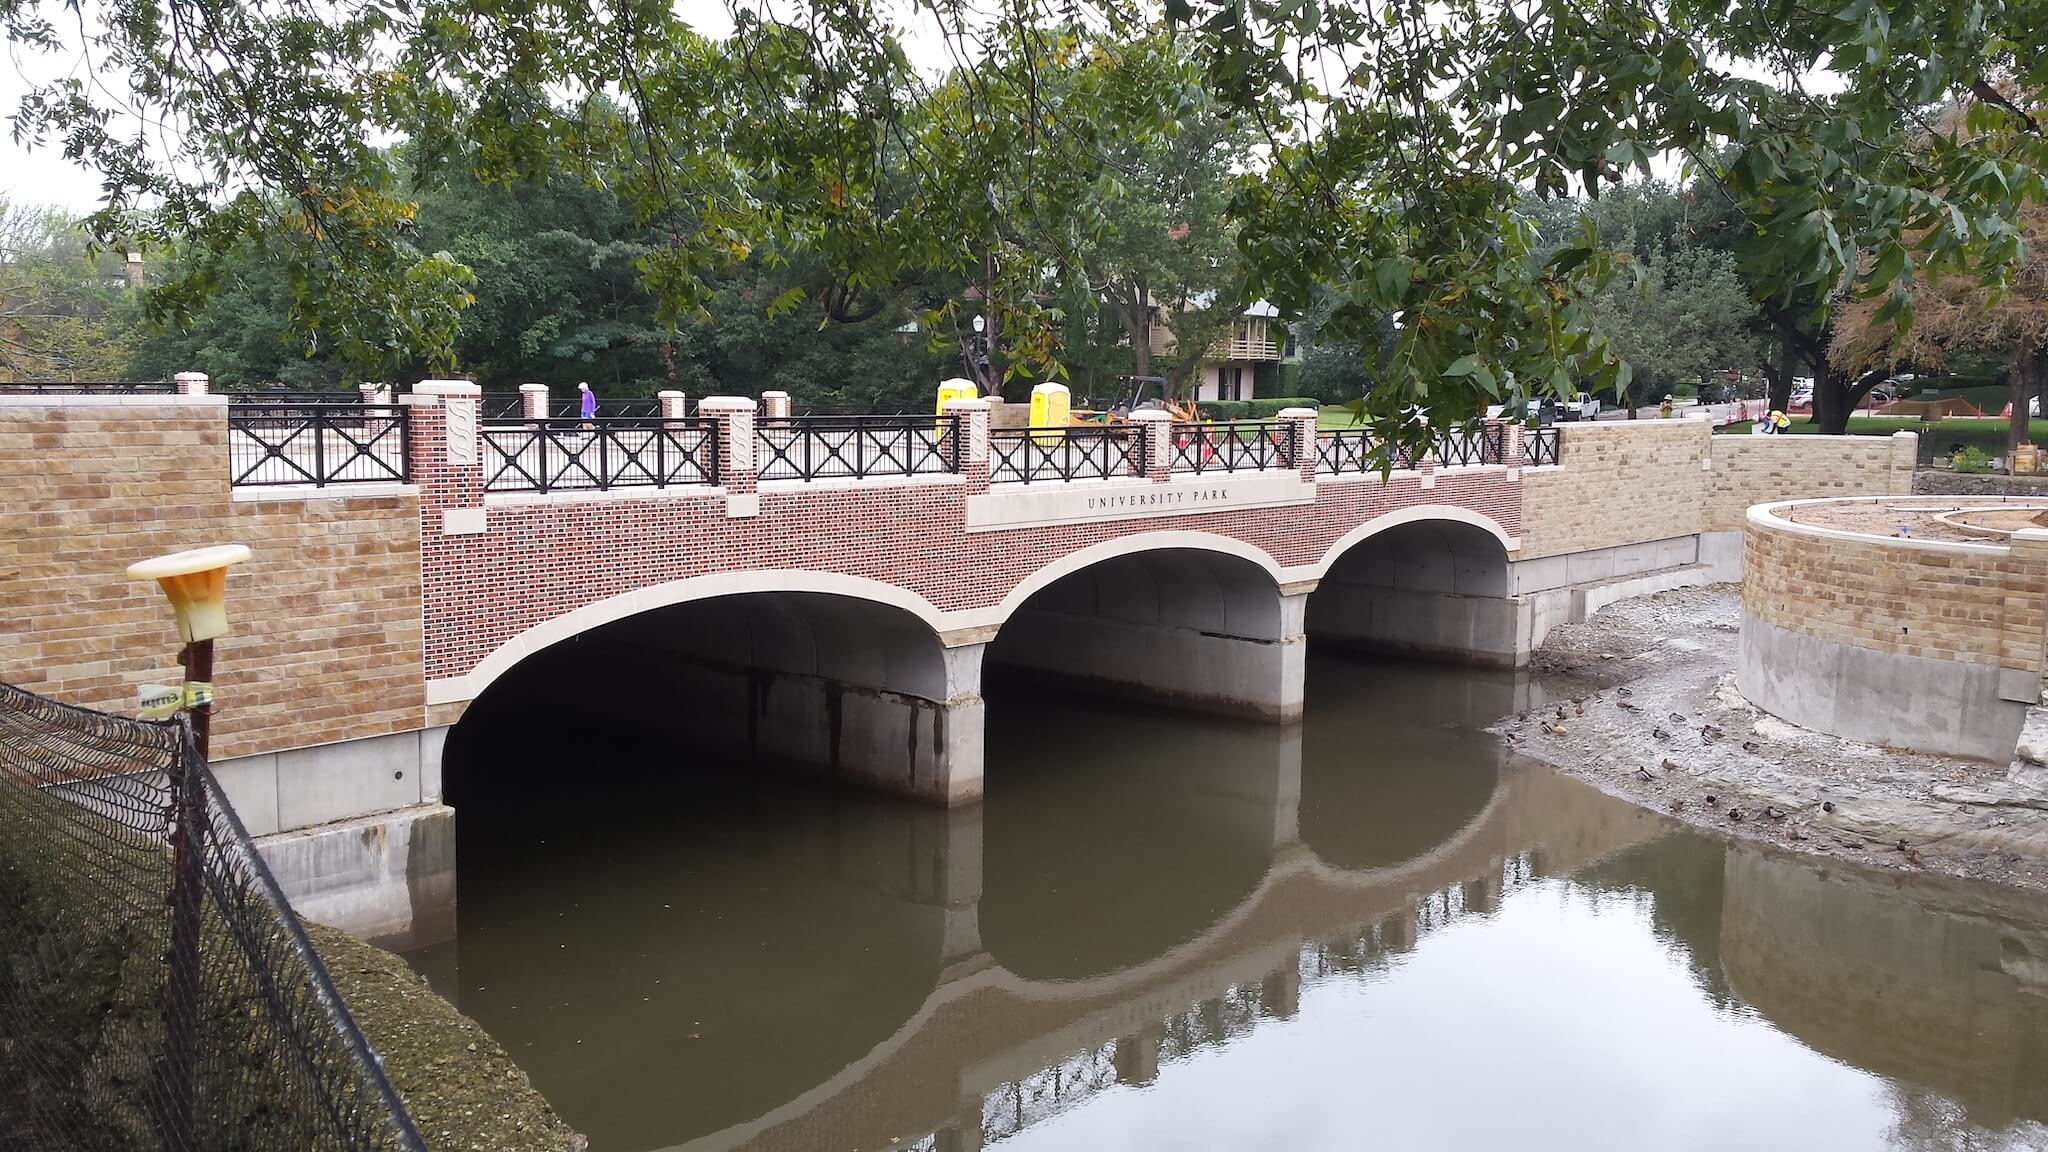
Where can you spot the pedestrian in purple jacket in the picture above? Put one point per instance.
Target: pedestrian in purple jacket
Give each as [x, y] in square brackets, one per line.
[589, 401]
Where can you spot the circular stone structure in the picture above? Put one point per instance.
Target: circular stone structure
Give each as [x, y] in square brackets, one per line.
[1896, 620]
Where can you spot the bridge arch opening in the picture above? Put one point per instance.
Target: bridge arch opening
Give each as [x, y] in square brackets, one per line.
[1435, 587]
[1206, 629]
[818, 682]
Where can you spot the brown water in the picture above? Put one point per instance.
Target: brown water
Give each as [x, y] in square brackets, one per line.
[1163, 933]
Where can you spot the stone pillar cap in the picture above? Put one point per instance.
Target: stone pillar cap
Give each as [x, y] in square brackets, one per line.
[448, 388]
[533, 387]
[1296, 414]
[667, 392]
[773, 392]
[966, 406]
[1151, 414]
[189, 376]
[726, 404]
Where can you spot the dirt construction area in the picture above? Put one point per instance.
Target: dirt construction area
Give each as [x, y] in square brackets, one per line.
[1661, 723]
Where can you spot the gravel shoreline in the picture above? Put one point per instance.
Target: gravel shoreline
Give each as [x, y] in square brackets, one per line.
[1660, 723]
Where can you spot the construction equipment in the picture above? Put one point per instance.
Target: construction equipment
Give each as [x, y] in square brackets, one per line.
[1135, 393]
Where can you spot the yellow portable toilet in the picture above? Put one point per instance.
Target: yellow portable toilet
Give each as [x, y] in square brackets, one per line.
[1050, 404]
[958, 388]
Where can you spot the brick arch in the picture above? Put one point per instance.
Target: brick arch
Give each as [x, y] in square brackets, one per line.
[1133, 544]
[1413, 514]
[579, 620]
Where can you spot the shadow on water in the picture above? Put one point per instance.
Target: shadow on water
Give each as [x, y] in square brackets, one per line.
[1115, 832]
[643, 929]
[686, 953]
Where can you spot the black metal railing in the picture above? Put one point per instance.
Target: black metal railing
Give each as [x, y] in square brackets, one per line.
[159, 992]
[318, 444]
[1540, 446]
[283, 396]
[1486, 444]
[512, 406]
[500, 406]
[1347, 451]
[1244, 446]
[824, 447]
[1081, 452]
[599, 454]
[90, 387]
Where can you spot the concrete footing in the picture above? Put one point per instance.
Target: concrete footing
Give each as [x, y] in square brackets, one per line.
[388, 878]
[1919, 703]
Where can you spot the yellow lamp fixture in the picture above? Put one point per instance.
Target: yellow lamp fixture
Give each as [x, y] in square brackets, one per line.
[196, 582]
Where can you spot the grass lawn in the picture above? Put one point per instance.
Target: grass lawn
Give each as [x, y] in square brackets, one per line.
[1938, 439]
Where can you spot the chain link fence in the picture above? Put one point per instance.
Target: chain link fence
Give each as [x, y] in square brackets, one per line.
[155, 989]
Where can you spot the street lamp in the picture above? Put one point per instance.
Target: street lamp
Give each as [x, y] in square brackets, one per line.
[197, 584]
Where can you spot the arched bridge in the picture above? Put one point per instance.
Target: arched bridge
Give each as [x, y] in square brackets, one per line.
[827, 593]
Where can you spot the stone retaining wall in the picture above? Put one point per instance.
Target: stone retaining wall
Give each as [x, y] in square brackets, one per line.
[1626, 482]
[1920, 644]
[327, 634]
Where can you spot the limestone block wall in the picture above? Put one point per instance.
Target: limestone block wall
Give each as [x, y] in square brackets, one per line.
[327, 640]
[1971, 603]
[1617, 482]
[1627, 482]
[1761, 469]
[1920, 644]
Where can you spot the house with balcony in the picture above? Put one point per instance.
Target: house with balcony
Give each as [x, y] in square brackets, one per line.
[1244, 362]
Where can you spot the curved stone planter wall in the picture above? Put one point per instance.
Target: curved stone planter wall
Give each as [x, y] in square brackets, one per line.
[1920, 644]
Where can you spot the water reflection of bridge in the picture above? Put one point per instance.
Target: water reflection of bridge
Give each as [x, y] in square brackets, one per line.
[944, 977]
[990, 1039]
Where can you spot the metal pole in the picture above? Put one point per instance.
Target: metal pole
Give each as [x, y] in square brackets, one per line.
[188, 848]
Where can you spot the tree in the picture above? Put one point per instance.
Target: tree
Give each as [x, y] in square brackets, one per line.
[1691, 318]
[1959, 316]
[66, 312]
[1398, 142]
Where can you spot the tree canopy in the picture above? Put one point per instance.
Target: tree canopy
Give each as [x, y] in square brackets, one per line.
[1397, 143]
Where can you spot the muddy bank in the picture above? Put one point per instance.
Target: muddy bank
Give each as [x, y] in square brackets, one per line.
[462, 1088]
[1661, 723]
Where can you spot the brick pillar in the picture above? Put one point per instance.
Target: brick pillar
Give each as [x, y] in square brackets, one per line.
[190, 383]
[447, 463]
[674, 405]
[775, 405]
[1304, 421]
[1511, 446]
[735, 417]
[533, 401]
[973, 428]
[1155, 455]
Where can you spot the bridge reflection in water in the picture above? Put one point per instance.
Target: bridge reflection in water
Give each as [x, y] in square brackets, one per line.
[1212, 934]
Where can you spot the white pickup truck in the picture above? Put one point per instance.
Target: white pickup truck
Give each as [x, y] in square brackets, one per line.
[1585, 408]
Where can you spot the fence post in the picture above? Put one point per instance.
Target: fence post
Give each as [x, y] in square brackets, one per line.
[1155, 448]
[734, 416]
[1304, 421]
[446, 463]
[674, 405]
[972, 448]
[775, 406]
[190, 383]
[533, 401]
